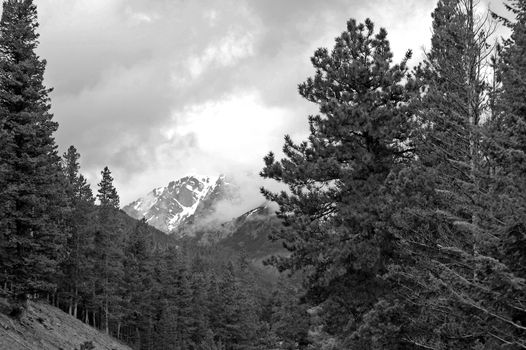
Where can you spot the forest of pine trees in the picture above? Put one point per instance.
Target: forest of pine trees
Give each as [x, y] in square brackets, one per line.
[405, 214]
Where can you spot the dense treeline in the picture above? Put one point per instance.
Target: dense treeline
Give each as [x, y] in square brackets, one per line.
[91, 260]
[407, 204]
[118, 277]
[406, 208]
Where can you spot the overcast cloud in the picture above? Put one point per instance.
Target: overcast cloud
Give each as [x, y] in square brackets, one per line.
[156, 89]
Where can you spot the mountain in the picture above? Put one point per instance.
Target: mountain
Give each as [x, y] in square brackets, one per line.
[183, 202]
[250, 233]
[187, 209]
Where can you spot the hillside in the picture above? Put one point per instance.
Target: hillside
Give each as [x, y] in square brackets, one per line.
[158, 237]
[250, 233]
[43, 327]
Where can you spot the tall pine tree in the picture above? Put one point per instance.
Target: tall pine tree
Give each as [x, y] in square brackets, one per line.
[510, 130]
[108, 245]
[509, 188]
[454, 277]
[32, 199]
[107, 193]
[335, 212]
[138, 281]
[77, 265]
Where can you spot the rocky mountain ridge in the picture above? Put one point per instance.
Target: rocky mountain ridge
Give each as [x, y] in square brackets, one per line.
[182, 202]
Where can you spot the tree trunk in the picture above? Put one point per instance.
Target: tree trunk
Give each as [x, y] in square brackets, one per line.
[70, 307]
[75, 302]
[473, 104]
[138, 334]
[106, 311]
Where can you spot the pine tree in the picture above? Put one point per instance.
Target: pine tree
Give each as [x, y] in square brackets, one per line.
[164, 316]
[137, 280]
[182, 302]
[510, 128]
[78, 186]
[439, 193]
[290, 320]
[453, 104]
[335, 212]
[167, 328]
[76, 266]
[31, 194]
[508, 200]
[175, 295]
[107, 193]
[452, 280]
[198, 324]
[108, 251]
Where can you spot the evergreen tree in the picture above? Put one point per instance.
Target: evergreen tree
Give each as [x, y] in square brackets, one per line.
[182, 302]
[508, 200]
[335, 212]
[173, 300]
[31, 194]
[107, 193]
[510, 123]
[137, 280]
[438, 195]
[76, 266]
[78, 187]
[290, 320]
[451, 282]
[108, 245]
[167, 329]
[198, 325]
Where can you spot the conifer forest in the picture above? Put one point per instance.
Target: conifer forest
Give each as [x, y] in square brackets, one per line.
[401, 223]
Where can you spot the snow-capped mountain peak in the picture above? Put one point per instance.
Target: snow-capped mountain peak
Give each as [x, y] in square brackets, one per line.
[169, 207]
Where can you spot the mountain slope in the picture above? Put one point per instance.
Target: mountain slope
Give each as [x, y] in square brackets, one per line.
[43, 327]
[158, 238]
[250, 233]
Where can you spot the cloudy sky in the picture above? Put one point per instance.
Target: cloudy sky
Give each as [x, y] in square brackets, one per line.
[156, 89]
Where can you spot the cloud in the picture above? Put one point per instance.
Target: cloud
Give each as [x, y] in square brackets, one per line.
[237, 128]
[156, 89]
[227, 52]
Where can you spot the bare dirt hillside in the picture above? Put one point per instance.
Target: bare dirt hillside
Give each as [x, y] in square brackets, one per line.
[43, 327]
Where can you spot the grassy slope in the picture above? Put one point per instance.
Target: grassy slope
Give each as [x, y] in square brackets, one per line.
[43, 327]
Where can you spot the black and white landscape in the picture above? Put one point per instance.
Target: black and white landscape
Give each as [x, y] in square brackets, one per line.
[179, 175]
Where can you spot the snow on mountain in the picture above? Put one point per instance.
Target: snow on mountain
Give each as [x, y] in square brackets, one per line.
[179, 203]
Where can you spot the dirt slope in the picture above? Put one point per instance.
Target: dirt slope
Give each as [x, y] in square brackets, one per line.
[43, 327]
